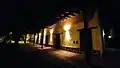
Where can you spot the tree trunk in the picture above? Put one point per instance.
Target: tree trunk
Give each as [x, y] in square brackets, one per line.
[34, 40]
[42, 36]
[25, 38]
[87, 47]
[16, 38]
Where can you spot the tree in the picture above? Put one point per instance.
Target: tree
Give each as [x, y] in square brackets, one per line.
[88, 15]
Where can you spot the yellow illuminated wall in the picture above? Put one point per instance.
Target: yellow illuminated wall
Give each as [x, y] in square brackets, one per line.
[44, 37]
[51, 36]
[39, 38]
[68, 27]
[27, 38]
[72, 35]
[96, 33]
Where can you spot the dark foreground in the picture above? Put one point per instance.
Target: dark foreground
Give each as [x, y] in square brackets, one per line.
[26, 56]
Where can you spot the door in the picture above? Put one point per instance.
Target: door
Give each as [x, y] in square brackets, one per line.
[81, 39]
[57, 41]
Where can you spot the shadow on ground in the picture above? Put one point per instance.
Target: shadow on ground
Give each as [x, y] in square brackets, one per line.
[25, 56]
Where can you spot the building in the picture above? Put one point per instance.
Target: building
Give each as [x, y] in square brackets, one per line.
[67, 33]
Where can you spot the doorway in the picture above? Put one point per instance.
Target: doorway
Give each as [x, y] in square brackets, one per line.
[57, 41]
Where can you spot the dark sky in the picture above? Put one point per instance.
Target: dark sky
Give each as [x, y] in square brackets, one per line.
[19, 14]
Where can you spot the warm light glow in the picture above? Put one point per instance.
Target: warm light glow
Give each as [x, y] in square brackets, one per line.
[21, 42]
[75, 13]
[64, 54]
[44, 39]
[67, 35]
[27, 38]
[70, 15]
[67, 27]
[51, 35]
[51, 31]
[39, 37]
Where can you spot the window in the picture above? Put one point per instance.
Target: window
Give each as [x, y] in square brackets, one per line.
[76, 42]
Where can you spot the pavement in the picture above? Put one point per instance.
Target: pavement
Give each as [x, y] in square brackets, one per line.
[110, 58]
[72, 58]
[26, 56]
[29, 56]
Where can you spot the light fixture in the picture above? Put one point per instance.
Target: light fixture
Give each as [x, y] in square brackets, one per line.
[70, 15]
[66, 17]
[109, 36]
[75, 13]
[66, 12]
[10, 33]
[67, 33]
[58, 17]
[62, 14]
[103, 33]
[67, 27]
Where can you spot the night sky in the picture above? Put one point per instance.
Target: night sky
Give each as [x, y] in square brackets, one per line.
[29, 15]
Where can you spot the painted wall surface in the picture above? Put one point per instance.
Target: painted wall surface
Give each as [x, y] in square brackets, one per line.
[96, 33]
[27, 38]
[39, 39]
[44, 35]
[50, 37]
[72, 34]
[50, 33]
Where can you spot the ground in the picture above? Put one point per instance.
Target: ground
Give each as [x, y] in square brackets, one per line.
[27, 56]
[33, 57]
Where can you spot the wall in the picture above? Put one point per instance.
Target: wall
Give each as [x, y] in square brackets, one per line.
[96, 33]
[74, 34]
[50, 32]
